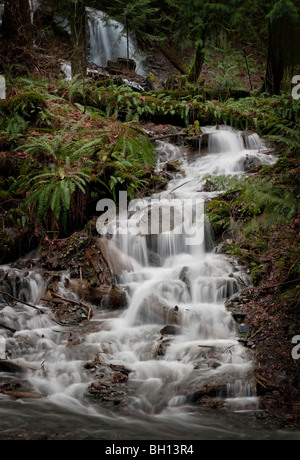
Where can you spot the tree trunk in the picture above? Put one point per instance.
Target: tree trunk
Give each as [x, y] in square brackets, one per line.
[275, 65]
[127, 42]
[199, 58]
[17, 35]
[78, 38]
[283, 52]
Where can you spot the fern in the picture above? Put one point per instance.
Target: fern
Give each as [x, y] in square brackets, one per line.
[137, 149]
[52, 191]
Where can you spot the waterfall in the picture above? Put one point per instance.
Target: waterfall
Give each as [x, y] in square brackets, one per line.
[108, 42]
[175, 340]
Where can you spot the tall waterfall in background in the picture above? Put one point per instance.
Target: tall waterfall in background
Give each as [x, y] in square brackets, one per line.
[106, 39]
[108, 42]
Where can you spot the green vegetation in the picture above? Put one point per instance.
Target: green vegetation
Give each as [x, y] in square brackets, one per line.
[259, 209]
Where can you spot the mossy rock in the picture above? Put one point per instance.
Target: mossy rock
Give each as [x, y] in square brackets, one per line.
[257, 273]
[28, 105]
[154, 83]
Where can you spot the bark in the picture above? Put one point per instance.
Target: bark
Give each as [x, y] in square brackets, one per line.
[78, 38]
[283, 52]
[17, 34]
[275, 66]
[199, 58]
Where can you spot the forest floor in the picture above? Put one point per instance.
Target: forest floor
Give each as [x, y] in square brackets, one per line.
[272, 312]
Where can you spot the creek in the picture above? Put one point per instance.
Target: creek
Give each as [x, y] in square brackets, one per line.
[189, 380]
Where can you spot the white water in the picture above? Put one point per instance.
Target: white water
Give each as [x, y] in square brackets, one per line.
[107, 42]
[191, 285]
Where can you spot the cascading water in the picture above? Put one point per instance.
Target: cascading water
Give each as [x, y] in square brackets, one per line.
[108, 42]
[175, 340]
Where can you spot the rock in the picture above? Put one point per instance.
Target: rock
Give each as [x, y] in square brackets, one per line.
[251, 162]
[154, 259]
[115, 259]
[110, 385]
[204, 143]
[128, 64]
[173, 166]
[154, 83]
[121, 65]
[161, 349]
[208, 391]
[244, 328]
[170, 330]
[239, 316]
[154, 309]
[184, 276]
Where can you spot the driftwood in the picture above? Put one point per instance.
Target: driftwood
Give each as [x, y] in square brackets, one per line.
[207, 346]
[22, 394]
[165, 136]
[11, 366]
[20, 301]
[7, 326]
[115, 296]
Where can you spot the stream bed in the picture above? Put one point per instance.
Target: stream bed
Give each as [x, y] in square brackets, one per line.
[169, 366]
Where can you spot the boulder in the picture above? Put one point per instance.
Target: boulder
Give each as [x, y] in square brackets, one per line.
[251, 162]
[154, 309]
[154, 83]
[170, 330]
[173, 166]
[115, 259]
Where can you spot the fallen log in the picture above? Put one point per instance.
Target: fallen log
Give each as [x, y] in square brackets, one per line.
[22, 394]
[207, 346]
[4, 325]
[20, 301]
[11, 366]
[165, 136]
[213, 390]
[112, 296]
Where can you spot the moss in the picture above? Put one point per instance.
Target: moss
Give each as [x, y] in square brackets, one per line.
[219, 214]
[257, 273]
[28, 105]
